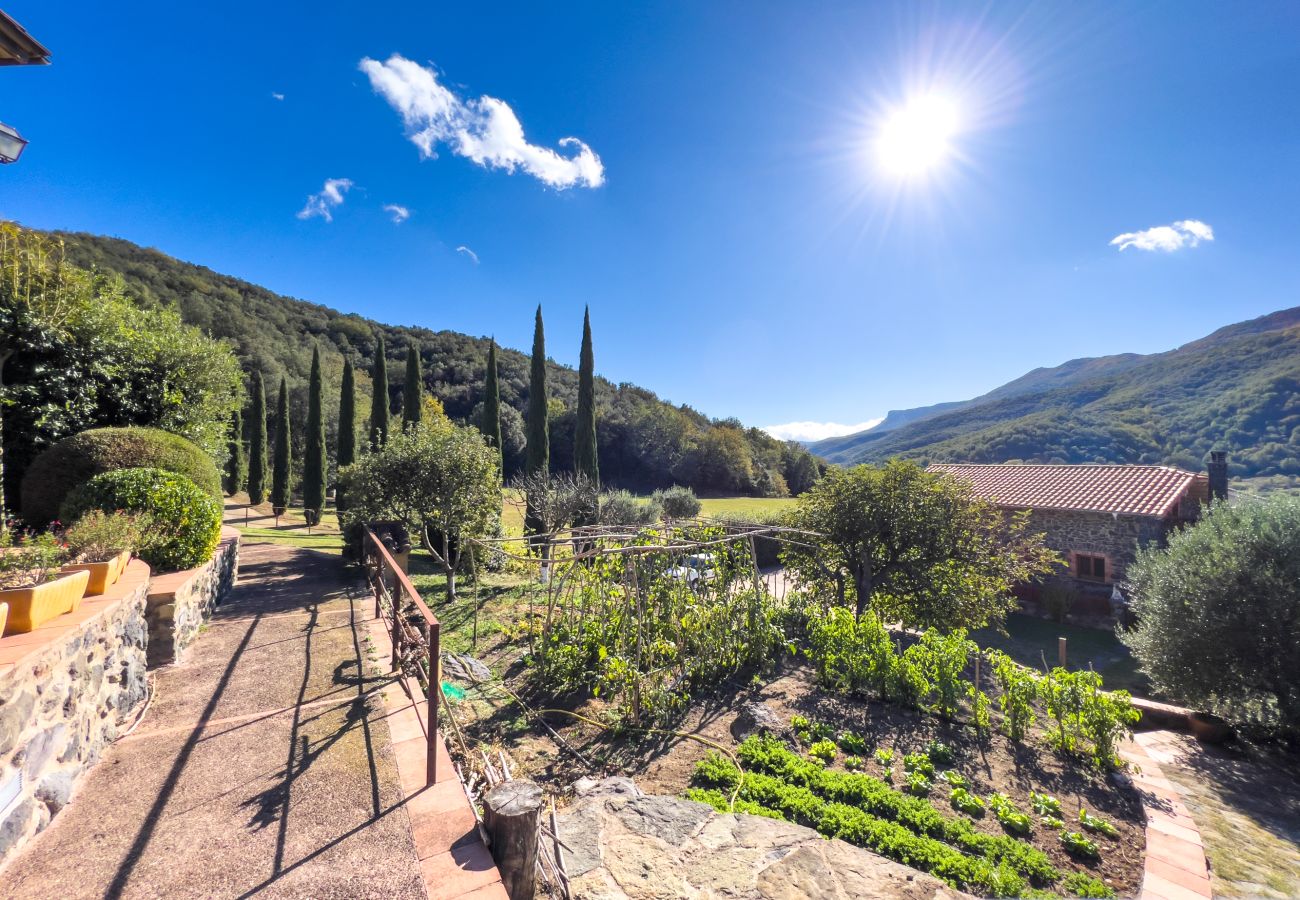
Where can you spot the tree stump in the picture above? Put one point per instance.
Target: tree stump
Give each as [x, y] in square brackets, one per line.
[512, 811]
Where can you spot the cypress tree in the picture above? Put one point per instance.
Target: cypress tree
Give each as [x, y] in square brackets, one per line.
[347, 449]
[538, 454]
[412, 389]
[235, 454]
[491, 424]
[281, 488]
[585, 461]
[257, 444]
[314, 467]
[537, 457]
[379, 399]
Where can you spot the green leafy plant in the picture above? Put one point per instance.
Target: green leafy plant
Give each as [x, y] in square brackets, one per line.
[183, 523]
[967, 802]
[1045, 804]
[27, 562]
[1077, 845]
[954, 778]
[980, 710]
[823, 750]
[853, 763]
[918, 762]
[99, 536]
[1065, 693]
[1008, 816]
[1053, 822]
[940, 753]
[1018, 689]
[802, 728]
[1097, 824]
[942, 658]
[1081, 884]
[852, 743]
[918, 784]
[1107, 718]
[885, 756]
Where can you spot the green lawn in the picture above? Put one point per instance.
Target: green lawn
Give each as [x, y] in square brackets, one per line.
[744, 506]
[256, 523]
[1030, 639]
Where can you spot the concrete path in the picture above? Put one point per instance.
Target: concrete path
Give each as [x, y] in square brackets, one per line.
[264, 765]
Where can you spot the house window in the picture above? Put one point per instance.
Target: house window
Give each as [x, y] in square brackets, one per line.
[1090, 567]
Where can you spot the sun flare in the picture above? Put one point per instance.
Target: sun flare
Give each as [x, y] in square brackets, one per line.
[916, 137]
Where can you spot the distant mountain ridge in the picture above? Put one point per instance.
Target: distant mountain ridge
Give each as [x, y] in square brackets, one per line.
[1237, 389]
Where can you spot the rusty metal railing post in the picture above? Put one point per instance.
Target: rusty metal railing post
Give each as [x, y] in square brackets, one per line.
[432, 695]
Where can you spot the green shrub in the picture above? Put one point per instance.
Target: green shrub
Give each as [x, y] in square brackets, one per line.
[182, 522]
[625, 508]
[678, 502]
[722, 803]
[1081, 884]
[1018, 690]
[99, 536]
[76, 459]
[27, 562]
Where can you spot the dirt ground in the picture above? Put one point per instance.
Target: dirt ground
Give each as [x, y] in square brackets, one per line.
[663, 762]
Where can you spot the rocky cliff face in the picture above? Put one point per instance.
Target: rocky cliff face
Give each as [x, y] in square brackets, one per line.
[625, 844]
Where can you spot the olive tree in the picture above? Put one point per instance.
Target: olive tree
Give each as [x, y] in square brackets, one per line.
[1218, 612]
[441, 480]
[913, 546]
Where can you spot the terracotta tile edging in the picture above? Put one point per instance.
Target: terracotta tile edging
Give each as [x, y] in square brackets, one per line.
[454, 861]
[1174, 867]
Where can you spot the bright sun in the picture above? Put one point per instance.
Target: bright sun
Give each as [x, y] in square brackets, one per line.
[916, 137]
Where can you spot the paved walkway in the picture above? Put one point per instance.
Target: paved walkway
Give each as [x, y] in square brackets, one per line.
[264, 765]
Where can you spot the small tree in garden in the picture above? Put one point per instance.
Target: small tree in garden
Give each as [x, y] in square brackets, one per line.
[379, 396]
[1017, 690]
[556, 501]
[281, 474]
[235, 454]
[1218, 612]
[584, 439]
[439, 479]
[347, 443]
[537, 456]
[412, 387]
[257, 444]
[314, 467]
[678, 501]
[490, 424]
[914, 546]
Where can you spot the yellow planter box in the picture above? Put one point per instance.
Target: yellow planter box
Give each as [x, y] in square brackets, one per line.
[30, 608]
[103, 575]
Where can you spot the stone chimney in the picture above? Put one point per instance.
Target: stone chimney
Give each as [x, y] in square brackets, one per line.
[1218, 473]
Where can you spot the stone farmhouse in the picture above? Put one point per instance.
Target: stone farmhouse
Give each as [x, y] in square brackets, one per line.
[1096, 516]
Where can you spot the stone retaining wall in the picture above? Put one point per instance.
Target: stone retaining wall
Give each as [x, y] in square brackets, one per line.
[70, 687]
[180, 603]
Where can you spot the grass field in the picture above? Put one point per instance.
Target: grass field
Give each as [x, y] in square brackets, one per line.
[256, 523]
[744, 506]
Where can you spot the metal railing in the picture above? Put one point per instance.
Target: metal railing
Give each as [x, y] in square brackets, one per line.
[414, 632]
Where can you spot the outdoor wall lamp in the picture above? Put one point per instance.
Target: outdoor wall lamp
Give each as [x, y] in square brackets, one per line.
[11, 144]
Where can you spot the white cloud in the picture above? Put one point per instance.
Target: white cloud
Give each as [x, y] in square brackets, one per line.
[399, 213]
[484, 130]
[816, 431]
[276, 95]
[468, 252]
[330, 196]
[1187, 233]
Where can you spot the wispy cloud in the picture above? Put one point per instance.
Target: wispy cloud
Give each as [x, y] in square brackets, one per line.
[330, 196]
[399, 213]
[276, 95]
[1187, 233]
[484, 130]
[816, 431]
[468, 252]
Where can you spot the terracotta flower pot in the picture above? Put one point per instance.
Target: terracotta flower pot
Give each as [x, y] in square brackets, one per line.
[30, 608]
[103, 575]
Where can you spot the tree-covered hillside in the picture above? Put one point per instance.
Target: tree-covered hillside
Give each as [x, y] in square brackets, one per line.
[1237, 390]
[644, 442]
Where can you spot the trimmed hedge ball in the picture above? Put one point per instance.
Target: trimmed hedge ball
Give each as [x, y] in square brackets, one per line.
[183, 523]
[76, 459]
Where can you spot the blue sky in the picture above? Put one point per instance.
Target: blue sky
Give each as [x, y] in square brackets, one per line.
[724, 209]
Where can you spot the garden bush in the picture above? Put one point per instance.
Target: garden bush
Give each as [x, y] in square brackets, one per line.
[99, 536]
[678, 502]
[625, 508]
[76, 459]
[182, 521]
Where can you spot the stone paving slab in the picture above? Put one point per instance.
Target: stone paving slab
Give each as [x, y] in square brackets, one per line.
[263, 767]
[1175, 866]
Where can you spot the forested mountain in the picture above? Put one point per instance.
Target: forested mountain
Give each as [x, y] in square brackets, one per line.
[1237, 389]
[644, 442]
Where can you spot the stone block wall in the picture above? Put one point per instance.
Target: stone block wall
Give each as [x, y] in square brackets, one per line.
[180, 603]
[62, 702]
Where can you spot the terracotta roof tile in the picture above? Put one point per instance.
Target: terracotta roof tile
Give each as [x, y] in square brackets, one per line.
[1126, 490]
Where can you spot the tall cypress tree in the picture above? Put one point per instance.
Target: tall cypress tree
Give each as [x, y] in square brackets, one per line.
[585, 461]
[411, 390]
[314, 467]
[538, 454]
[281, 489]
[491, 424]
[235, 454]
[379, 399]
[347, 449]
[257, 444]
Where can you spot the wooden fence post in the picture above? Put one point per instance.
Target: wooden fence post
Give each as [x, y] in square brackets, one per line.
[512, 812]
[1060, 650]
